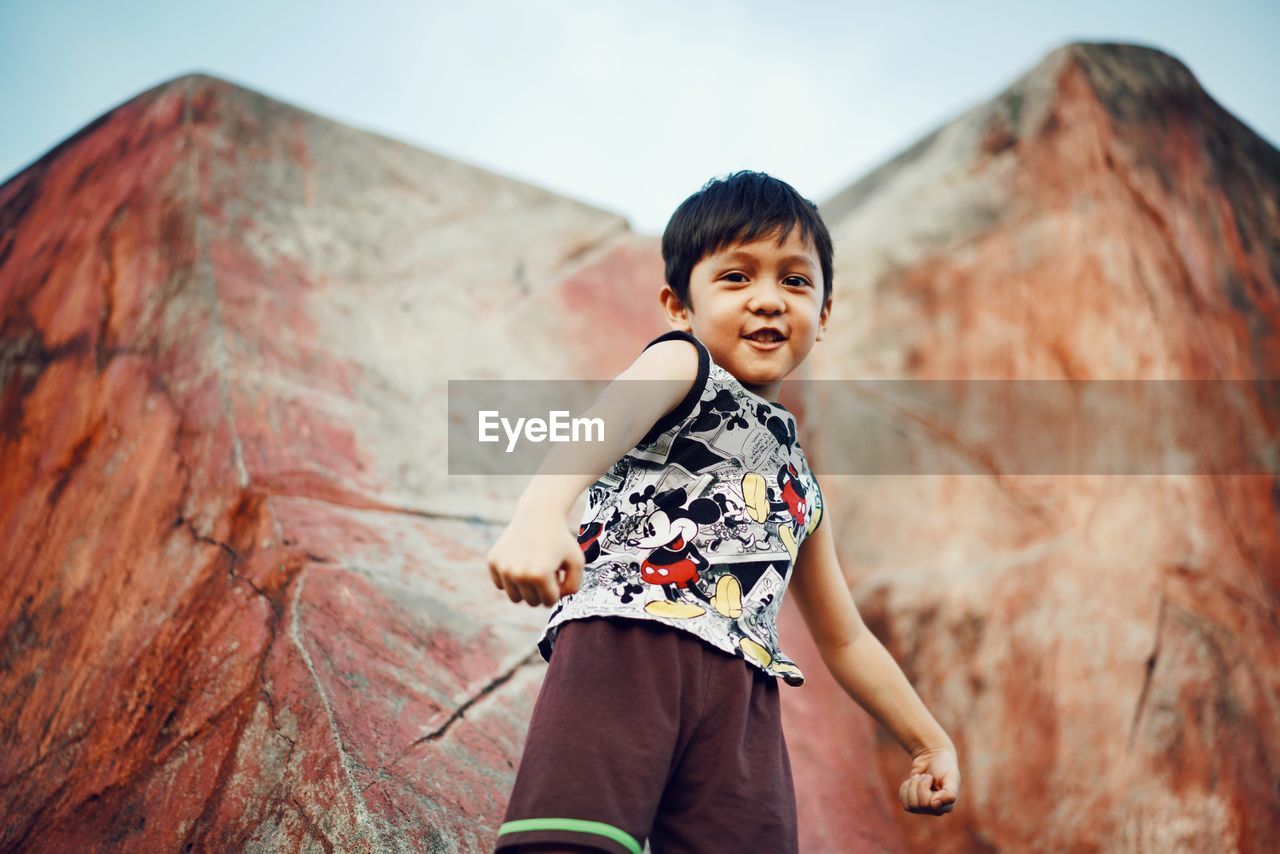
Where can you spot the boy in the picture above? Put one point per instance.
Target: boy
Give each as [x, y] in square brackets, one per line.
[659, 715]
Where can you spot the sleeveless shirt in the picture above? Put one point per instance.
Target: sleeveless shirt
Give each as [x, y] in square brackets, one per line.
[698, 525]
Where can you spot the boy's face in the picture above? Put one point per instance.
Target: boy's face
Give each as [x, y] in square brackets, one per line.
[745, 288]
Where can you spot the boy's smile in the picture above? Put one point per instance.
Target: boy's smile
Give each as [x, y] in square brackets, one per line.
[757, 307]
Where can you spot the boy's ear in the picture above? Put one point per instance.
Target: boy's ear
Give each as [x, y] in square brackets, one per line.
[823, 318]
[677, 312]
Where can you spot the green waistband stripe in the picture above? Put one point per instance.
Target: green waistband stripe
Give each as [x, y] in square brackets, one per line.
[599, 828]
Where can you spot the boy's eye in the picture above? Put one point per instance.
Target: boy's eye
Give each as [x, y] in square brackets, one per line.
[803, 282]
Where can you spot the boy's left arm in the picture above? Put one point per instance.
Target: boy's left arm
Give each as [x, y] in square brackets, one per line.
[868, 673]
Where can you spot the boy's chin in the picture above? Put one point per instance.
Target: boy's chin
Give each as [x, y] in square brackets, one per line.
[759, 380]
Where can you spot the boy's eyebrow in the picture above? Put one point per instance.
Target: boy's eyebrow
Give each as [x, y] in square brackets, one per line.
[739, 254]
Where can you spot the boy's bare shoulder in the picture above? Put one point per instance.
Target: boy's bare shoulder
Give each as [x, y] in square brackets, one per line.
[669, 370]
[673, 359]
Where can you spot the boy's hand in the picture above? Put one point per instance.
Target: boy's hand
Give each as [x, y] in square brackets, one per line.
[934, 783]
[529, 555]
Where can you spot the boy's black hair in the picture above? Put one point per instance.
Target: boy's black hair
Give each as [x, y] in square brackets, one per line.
[739, 209]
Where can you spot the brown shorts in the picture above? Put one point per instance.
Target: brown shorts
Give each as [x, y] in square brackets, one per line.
[644, 731]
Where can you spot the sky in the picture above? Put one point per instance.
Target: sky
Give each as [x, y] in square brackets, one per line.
[627, 106]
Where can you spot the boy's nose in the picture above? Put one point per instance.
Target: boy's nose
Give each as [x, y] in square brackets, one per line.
[766, 298]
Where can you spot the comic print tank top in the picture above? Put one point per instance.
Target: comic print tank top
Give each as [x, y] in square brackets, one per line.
[698, 525]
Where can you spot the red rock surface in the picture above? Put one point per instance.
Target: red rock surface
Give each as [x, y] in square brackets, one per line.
[1104, 650]
[242, 604]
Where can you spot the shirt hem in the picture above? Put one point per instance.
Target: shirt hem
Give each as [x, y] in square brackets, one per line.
[546, 641]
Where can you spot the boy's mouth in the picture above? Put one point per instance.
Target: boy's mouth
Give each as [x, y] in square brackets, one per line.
[767, 335]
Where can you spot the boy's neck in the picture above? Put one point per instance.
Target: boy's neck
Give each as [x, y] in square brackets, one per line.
[769, 391]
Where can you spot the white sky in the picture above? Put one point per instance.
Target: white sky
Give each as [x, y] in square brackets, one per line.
[629, 106]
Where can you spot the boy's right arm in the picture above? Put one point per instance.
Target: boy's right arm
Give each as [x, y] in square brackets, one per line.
[536, 544]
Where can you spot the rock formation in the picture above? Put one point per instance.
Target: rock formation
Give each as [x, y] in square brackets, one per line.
[243, 604]
[1104, 649]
